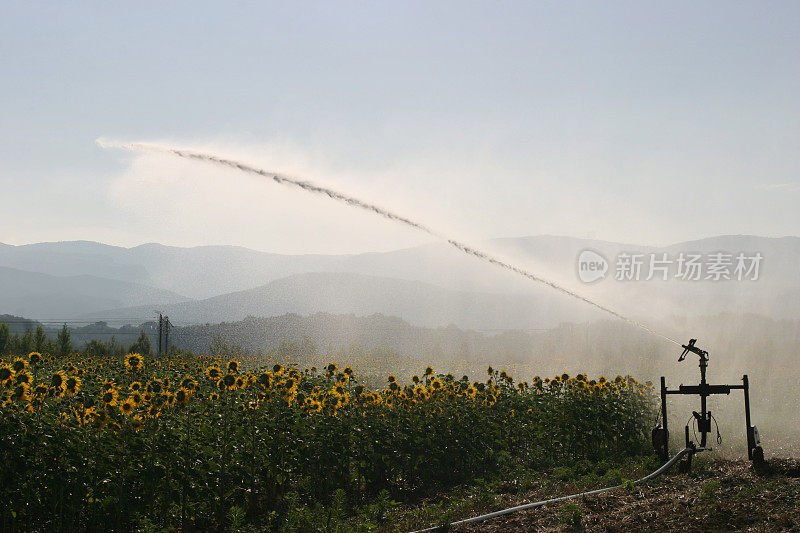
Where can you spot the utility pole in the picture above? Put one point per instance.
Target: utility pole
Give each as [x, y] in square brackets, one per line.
[167, 325]
[160, 331]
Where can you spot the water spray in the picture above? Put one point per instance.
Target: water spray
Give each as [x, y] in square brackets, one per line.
[367, 206]
[660, 434]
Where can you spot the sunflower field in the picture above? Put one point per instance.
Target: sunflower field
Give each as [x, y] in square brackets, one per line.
[179, 442]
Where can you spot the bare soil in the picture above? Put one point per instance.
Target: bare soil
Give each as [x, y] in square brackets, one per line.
[718, 496]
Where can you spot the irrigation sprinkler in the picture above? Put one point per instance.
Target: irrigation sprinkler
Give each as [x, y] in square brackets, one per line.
[703, 418]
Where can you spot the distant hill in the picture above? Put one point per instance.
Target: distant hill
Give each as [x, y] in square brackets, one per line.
[210, 271]
[418, 303]
[205, 271]
[44, 296]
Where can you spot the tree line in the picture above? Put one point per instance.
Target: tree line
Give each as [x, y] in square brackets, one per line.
[37, 340]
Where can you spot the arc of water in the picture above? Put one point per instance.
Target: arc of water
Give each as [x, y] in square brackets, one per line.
[361, 204]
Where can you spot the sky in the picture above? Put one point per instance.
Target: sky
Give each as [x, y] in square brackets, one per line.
[638, 122]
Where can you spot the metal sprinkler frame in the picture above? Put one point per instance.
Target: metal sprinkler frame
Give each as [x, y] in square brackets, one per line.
[661, 433]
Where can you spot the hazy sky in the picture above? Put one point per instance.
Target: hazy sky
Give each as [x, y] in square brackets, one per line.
[627, 121]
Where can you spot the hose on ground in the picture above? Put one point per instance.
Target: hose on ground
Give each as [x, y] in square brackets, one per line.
[666, 466]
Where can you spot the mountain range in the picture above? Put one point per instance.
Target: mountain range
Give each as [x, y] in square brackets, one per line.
[430, 285]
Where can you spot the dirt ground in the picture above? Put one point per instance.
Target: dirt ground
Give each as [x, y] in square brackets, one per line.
[718, 496]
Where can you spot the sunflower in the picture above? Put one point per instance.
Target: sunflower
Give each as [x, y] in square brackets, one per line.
[391, 379]
[213, 396]
[182, 397]
[59, 380]
[100, 419]
[155, 386]
[35, 358]
[19, 364]
[233, 366]
[23, 377]
[127, 407]
[429, 371]
[40, 390]
[134, 361]
[136, 386]
[21, 392]
[165, 398]
[229, 381]
[6, 374]
[109, 397]
[347, 370]
[189, 383]
[137, 423]
[72, 385]
[137, 398]
[331, 368]
[213, 372]
[153, 411]
[265, 380]
[88, 414]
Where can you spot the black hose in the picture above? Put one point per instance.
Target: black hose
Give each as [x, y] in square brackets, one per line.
[532, 505]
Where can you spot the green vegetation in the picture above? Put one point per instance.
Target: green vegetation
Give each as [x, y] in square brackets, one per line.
[197, 443]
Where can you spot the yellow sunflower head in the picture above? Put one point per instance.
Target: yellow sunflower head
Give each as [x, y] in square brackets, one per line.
[6, 374]
[127, 407]
[137, 423]
[213, 372]
[189, 383]
[134, 361]
[59, 380]
[109, 397]
[73, 385]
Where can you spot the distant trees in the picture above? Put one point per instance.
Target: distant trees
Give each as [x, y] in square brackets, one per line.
[97, 348]
[221, 348]
[63, 343]
[142, 345]
[40, 340]
[27, 343]
[5, 338]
